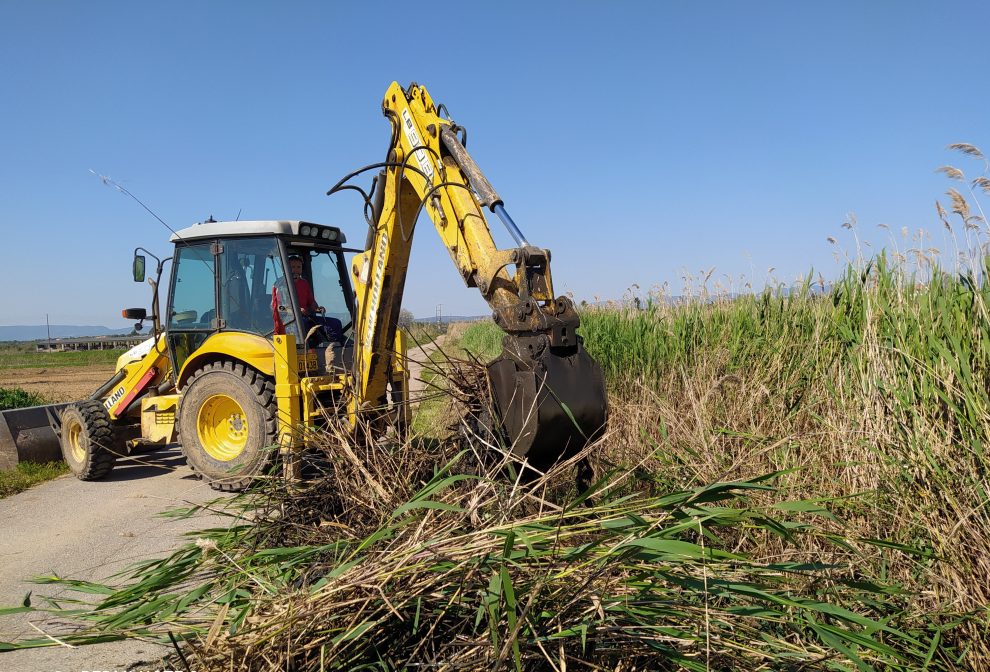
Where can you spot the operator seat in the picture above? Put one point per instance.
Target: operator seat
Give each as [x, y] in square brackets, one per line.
[237, 306]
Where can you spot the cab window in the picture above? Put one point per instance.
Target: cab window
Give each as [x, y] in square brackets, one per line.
[194, 290]
[328, 285]
[249, 269]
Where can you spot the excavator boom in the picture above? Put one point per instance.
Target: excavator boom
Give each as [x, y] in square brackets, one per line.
[550, 394]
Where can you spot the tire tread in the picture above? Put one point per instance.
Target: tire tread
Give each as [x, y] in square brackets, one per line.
[264, 392]
[100, 440]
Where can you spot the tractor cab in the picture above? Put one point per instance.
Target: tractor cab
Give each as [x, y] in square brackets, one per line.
[237, 277]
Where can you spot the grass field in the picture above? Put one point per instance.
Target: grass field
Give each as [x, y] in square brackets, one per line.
[24, 356]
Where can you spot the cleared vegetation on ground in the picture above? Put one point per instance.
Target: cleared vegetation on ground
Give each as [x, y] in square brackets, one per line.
[787, 480]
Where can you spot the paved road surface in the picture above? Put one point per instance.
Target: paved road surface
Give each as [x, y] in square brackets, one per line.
[89, 531]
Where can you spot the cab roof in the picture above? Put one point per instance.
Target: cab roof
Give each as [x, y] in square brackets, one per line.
[266, 227]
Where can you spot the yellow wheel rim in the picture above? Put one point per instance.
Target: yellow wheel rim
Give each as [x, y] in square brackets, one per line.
[74, 436]
[222, 427]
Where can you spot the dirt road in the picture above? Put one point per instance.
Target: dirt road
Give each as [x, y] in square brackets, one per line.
[91, 530]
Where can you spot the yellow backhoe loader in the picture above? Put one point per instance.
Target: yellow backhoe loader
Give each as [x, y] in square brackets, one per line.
[267, 329]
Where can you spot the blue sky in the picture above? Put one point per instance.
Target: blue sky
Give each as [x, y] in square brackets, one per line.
[638, 141]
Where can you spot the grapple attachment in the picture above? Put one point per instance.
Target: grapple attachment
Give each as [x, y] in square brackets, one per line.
[551, 401]
[28, 435]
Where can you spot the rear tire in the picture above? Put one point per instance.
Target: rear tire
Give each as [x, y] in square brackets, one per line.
[227, 424]
[87, 440]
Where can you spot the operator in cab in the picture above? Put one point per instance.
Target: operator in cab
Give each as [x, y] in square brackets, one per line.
[312, 312]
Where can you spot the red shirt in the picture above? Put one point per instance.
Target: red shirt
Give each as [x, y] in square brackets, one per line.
[307, 302]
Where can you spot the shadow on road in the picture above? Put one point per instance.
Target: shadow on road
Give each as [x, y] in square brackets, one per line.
[150, 464]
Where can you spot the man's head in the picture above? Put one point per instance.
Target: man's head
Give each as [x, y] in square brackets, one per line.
[295, 266]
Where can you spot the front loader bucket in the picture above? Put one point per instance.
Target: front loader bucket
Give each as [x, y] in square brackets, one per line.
[551, 405]
[28, 435]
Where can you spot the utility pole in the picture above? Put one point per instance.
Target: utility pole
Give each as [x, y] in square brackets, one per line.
[439, 313]
[48, 327]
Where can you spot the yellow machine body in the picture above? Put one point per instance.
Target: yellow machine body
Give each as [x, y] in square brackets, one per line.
[297, 385]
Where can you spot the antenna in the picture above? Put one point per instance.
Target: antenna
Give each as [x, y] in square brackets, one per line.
[110, 183]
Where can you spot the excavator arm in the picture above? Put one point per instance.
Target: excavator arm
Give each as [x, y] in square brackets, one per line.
[550, 395]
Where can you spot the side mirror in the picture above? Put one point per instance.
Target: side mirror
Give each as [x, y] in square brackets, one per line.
[138, 268]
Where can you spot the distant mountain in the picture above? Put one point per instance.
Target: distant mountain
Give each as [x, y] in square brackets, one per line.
[21, 332]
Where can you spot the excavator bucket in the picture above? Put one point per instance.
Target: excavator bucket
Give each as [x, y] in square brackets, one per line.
[551, 405]
[28, 435]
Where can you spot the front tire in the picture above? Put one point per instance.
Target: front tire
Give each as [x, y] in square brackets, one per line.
[227, 424]
[87, 440]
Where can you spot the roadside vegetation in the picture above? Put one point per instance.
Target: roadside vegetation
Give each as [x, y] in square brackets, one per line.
[421, 333]
[17, 398]
[871, 400]
[790, 480]
[870, 394]
[27, 474]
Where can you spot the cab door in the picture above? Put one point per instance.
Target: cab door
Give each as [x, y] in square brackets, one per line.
[192, 309]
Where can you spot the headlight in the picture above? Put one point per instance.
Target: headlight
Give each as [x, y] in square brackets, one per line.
[332, 235]
[304, 230]
[314, 232]
[325, 234]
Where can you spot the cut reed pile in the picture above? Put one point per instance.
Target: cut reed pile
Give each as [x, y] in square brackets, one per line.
[387, 562]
